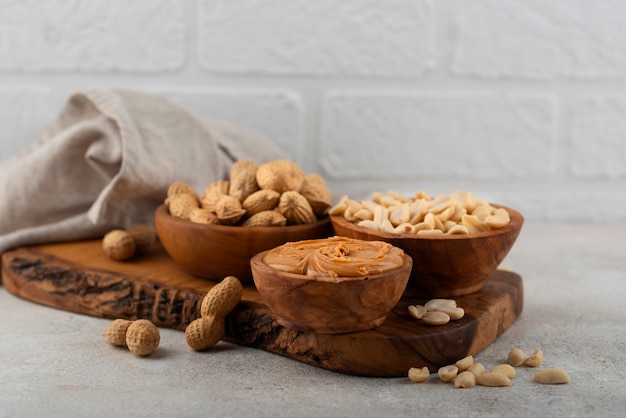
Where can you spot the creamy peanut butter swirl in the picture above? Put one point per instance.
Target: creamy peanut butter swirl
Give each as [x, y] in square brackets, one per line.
[335, 257]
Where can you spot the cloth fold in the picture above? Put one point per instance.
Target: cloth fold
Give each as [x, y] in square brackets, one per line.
[107, 161]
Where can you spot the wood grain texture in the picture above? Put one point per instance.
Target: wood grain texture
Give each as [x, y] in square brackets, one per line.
[78, 277]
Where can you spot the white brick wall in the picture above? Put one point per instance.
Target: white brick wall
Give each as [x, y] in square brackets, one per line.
[522, 102]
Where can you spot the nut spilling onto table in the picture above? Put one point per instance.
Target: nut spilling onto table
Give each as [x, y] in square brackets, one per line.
[276, 193]
[458, 213]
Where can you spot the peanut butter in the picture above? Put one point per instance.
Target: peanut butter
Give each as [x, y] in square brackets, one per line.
[335, 257]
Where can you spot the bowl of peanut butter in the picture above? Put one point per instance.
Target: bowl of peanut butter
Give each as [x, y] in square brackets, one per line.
[331, 285]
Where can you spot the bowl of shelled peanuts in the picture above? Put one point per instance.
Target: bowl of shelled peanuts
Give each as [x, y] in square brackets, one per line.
[215, 233]
[331, 285]
[456, 240]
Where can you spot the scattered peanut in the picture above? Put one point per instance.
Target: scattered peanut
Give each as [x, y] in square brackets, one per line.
[455, 313]
[274, 186]
[465, 373]
[222, 298]
[204, 332]
[209, 329]
[144, 237]
[477, 369]
[465, 379]
[418, 375]
[115, 332]
[447, 373]
[417, 311]
[439, 304]
[118, 245]
[435, 318]
[458, 213]
[437, 311]
[465, 363]
[121, 245]
[505, 369]
[493, 380]
[551, 376]
[535, 359]
[142, 337]
[517, 357]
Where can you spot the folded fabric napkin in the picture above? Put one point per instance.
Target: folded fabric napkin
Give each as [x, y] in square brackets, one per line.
[107, 161]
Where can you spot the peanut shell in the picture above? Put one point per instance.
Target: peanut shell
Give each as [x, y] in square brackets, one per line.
[296, 208]
[144, 236]
[204, 332]
[212, 194]
[181, 205]
[228, 210]
[115, 332]
[142, 337]
[222, 298]
[317, 194]
[265, 218]
[280, 175]
[260, 201]
[118, 245]
[203, 216]
[180, 187]
[243, 179]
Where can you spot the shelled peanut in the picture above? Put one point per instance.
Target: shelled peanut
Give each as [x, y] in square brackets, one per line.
[466, 373]
[437, 311]
[276, 193]
[458, 213]
[208, 329]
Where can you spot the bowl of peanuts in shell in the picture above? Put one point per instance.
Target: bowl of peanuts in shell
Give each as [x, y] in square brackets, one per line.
[331, 285]
[456, 240]
[215, 233]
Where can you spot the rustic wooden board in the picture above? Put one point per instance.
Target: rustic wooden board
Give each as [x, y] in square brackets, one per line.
[79, 278]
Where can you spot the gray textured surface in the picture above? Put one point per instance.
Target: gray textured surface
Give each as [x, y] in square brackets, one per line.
[55, 363]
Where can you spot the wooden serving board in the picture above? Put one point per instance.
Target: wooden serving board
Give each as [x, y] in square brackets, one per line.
[78, 277]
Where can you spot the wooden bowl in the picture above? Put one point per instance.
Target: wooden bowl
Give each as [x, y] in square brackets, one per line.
[329, 306]
[445, 265]
[216, 251]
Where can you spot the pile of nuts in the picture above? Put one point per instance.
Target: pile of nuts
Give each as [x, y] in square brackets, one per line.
[276, 193]
[437, 311]
[458, 213]
[465, 373]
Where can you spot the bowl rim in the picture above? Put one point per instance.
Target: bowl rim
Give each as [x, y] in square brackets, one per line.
[163, 213]
[517, 219]
[257, 262]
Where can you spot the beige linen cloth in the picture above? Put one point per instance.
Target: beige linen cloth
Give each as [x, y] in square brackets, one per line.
[107, 161]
